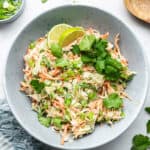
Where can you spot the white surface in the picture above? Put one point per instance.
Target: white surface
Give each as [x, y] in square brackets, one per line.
[8, 33]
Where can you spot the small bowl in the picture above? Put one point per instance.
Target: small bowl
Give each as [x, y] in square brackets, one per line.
[16, 15]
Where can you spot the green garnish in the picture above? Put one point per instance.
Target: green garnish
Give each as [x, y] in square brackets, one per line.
[67, 116]
[60, 90]
[8, 8]
[66, 75]
[68, 100]
[83, 103]
[140, 142]
[90, 116]
[148, 126]
[56, 50]
[37, 85]
[76, 64]
[93, 51]
[147, 109]
[46, 121]
[92, 95]
[113, 101]
[82, 116]
[85, 85]
[86, 59]
[100, 66]
[45, 62]
[76, 49]
[57, 122]
[32, 45]
[86, 43]
[61, 62]
[31, 63]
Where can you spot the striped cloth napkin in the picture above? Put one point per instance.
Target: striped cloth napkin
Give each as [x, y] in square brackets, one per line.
[12, 135]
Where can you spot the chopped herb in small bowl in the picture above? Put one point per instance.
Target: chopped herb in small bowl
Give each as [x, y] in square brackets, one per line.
[10, 10]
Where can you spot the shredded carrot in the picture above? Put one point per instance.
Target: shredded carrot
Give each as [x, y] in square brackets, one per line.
[55, 72]
[46, 76]
[104, 36]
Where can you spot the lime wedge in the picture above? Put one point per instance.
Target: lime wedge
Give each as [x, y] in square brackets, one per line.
[70, 35]
[56, 31]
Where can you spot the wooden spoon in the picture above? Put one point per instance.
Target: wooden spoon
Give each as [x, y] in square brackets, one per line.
[139, 8]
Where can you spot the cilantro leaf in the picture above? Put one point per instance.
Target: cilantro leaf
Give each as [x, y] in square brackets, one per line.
[37, 85]
[147, 109]
[32, 45]
[46, 121]
[100, 66]
[148, 126]
[57, 122]
[113, 101]
[86, 59]
[114, 63]
[68, 100]
[76, 49]
[83, 103]
[45, 62]
[92, 95]
[61, 62]
[100, 47]
[87, 42]
[56, 50]
[90, 116]
[140, 142]
[85, 85]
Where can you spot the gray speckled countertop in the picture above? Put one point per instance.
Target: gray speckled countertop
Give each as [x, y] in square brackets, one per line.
[12, 135]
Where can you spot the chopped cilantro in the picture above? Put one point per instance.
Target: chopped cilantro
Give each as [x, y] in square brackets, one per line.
[45, 62]
[100, 66]
[37, 85]
[87, 42]
[67, 116]
[31, 63]
[148, 126]
[77, 64]
[57, 122]
[61, 62]
[76, 49]
[68, 100]
[84, 103]
[85, 85]
[90, 116]
[86, 59]
[92, 95]
[56, 50]
[100, 47]
[147, 109]
[32, 45]
[113, 101]
[8, 8]
[46, 121]
[93, 51]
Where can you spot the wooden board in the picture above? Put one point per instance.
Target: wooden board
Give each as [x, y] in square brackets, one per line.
[139, 8]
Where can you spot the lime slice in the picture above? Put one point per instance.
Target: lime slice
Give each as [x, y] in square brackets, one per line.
[56, 31]
[70, 35]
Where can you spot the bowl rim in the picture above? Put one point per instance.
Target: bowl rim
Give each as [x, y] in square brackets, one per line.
[16, 15]
[33, 134]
